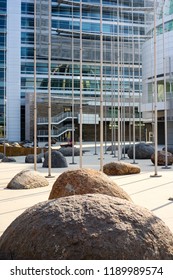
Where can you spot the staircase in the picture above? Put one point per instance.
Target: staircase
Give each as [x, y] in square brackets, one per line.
[57, 126]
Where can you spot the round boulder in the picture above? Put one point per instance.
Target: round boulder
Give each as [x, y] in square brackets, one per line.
[8, 159]
[83, 181]
[68, 151]
[112, 148]
[169, 149]
[120, 168]
[142, 151]
[1, 155]
[27, 179]
[30, 159]
[161, 158]
[16, 144]
[89, 227]
[57, 160]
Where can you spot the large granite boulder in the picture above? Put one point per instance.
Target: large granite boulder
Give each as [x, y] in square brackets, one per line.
[87, 227]
[161, 156]
[27, 179]
[83, 181]
[30, 159]
[8, 159]
[120, 168]
[68, 151]
[57, 160]
[142, 151]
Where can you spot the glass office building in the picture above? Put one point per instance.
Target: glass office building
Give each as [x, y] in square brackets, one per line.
[162, 59]
[85, 54]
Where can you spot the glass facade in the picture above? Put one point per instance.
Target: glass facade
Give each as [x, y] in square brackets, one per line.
[66, 28]
[79, 29]
[158, 70]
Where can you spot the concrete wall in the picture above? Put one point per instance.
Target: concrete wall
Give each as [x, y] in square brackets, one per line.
[13, 70]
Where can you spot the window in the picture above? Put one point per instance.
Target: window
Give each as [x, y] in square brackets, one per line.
[27, 8]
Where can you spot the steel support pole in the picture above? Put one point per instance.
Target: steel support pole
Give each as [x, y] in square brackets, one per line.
[101, 89]
[155, 97]
[35, 85]
[81, 117]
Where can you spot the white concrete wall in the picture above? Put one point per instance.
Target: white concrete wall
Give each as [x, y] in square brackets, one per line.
[13, 69]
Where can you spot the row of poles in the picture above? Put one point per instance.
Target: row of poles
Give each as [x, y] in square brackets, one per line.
[101, 88]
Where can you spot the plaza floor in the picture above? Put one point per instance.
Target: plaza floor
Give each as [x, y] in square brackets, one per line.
[151, 192]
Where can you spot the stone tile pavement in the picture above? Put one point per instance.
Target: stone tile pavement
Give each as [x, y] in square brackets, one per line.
[145, 190]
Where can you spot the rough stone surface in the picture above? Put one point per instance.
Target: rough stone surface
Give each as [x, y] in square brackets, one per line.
[30, 159]
[120, 168]
[87, 227]
[169, 149]
[8, 159]
[161, 158]
[113, 148]
[57, 160]
[125, 148]
[67, 152]
[1, 155]
[27, 179]
[16, 144]
[142, 151]
[83, 181]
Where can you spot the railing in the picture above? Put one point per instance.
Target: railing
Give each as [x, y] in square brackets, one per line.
[56, 119]
[57, 132]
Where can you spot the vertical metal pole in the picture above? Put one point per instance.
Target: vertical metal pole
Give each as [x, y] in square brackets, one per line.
[133, 87]
[139, 64]
[5, 134]
[49, 90]
[73, 128]
[118, 57]
[112, 89]
[81, 84]
[95, 109]
[155, 95]
[101, 89]
[165, 94]
[35, 86]
[155, 89]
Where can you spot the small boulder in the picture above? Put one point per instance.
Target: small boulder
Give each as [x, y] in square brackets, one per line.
[112, 148]
[27, 179]
[89, 227]
[169, 149]
[8, 159]
[120, 168]
[16, 144]
[30, 159]
[57, 160]
[1, 155]
[142, 151]
[161, 158]
[68, 151]
[82, 181]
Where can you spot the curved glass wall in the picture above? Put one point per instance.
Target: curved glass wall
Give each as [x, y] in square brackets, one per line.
[163, 60]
